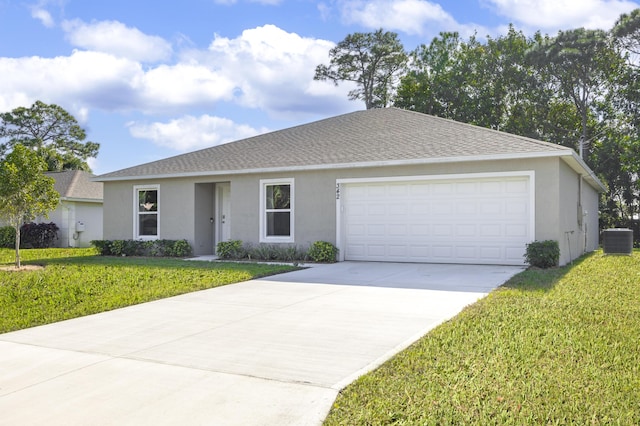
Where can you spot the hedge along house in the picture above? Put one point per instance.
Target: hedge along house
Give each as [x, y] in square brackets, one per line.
[382, 185]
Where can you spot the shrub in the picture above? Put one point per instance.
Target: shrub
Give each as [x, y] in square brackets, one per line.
[7, 237]
[322, 251]
[156, 248]
[230, 249]
[103, 247]
[283, 253]
[264, 252]
[179, 248]
[38, 235]
[543, 254]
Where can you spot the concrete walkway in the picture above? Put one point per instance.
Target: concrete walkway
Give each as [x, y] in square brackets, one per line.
[272, 351]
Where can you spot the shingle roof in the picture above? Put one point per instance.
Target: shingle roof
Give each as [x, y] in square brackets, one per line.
[76, 184]
[369, 137]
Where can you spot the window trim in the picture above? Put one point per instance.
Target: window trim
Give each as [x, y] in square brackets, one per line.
[264, 238]
[136, 212]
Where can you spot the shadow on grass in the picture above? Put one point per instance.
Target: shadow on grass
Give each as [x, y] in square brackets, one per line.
[536, 279]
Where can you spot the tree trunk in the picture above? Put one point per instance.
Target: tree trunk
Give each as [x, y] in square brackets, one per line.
[17, 246]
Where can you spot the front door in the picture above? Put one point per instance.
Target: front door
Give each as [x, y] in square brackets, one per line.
[223, 212]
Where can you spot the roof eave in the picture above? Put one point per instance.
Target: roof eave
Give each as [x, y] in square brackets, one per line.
[82, 200]
[313, 167]
[579, 166]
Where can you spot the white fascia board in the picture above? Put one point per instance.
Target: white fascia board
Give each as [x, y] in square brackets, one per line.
[82, 200]
[579, 166]
[419, 161]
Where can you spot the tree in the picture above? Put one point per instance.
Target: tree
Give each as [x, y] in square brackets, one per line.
[25, 192]
[487, 84]
[433, 83]
[374, 61]
[626, 32]
[581, 63]
[51, 132]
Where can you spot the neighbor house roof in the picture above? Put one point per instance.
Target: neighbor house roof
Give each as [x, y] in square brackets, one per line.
[385, 136]
[76, 185]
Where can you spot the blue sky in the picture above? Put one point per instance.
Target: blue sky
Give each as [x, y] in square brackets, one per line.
[153, 79]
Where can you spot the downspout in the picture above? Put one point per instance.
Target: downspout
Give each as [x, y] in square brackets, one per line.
[582, 215]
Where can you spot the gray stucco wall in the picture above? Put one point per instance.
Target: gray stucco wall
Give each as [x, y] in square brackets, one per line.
[578, 232]
[315, 200]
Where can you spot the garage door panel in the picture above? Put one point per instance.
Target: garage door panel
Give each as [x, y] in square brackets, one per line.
[466, 208]
[514, 254]
[398, 209]
[516, 207]
[468, 230]
[442, 188]
[490, 188]
[516, 230]
[442, 208]
[467, 253]
[490, 208]
[417, 190]
[457, 221]
[377, 210]
[517, 186]
[490, 230]
[442, 252]
[397, 231]
[398, 250]
[419, 230]
[376, 250]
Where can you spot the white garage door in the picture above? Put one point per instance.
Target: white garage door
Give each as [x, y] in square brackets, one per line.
[486, 220]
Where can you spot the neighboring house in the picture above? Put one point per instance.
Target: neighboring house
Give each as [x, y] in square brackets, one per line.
[382, 185]
[79, 214]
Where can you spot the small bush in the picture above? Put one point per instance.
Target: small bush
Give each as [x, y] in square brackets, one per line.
[103, 247]
[7, 237]
[179, 248]
[543, 254]
[155, 248]
[230, 250]
[38, 235]
[271, 252]
[264, 252]
[322, 251]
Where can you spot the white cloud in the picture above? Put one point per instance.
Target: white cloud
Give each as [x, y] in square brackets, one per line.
[188, 133]
[37, 12]
[553, 15]
[117, 39]
[83, 78]
[416, 17]
[264, 68]
[100, 80]
[273, 70]
[184, 85]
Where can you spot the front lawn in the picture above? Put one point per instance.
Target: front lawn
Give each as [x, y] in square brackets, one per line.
[76, 282]
[558, 346]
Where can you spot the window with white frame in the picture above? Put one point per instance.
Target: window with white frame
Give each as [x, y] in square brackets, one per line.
[276, 210]
[146, 211]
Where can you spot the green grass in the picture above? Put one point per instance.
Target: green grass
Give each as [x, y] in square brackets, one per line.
[76, 282]
[552, 347]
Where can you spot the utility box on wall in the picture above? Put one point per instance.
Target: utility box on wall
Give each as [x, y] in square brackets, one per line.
[80, 226]
[617, 241]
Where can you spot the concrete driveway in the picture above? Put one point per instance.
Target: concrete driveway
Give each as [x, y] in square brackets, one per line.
[273, 351]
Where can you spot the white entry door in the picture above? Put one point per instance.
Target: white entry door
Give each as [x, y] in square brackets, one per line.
[483, 220]
[223, 212]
